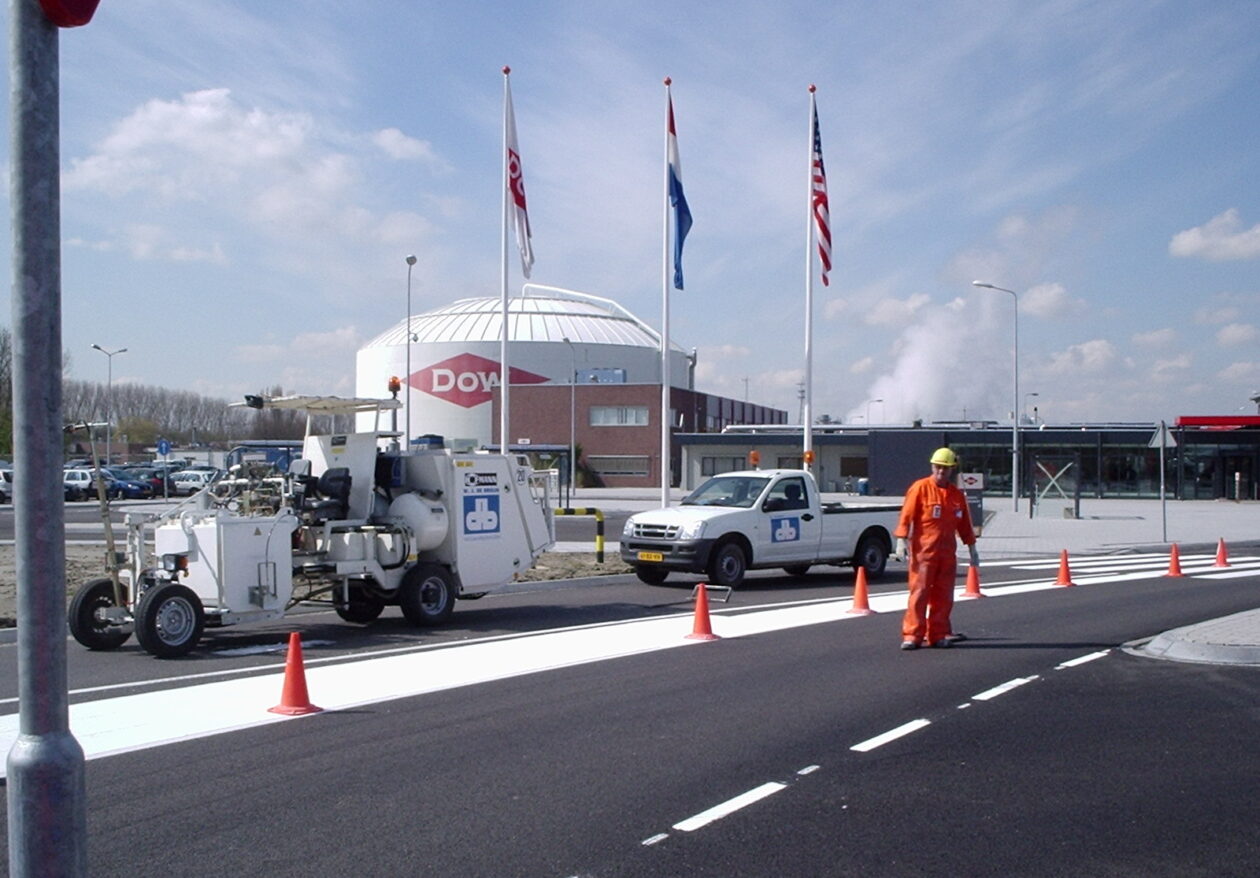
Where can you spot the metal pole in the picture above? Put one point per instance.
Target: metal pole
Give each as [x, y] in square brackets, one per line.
[1015, 404]
[411, 260]
[572, 416]
[47, 820]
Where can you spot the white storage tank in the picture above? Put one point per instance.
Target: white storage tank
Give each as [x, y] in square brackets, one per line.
[455, 356]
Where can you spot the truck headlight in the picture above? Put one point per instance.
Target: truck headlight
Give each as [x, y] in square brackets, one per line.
[627, 529]
[692, 530]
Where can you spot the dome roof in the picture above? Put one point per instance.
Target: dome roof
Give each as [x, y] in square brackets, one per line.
[538, 314]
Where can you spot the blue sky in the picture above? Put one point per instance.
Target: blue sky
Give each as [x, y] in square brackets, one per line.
[242, 182]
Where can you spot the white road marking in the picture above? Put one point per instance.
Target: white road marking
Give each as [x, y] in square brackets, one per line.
[1093, 656]
[809, 769]
[892, 735]
[990, 694]
[730, 806]
[659, 837]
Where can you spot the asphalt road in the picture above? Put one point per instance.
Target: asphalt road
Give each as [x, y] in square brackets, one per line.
[1038, 747]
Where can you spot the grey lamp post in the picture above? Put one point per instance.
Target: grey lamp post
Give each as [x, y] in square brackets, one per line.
[109, 396]
[1015, 404]
[1026, 395]
[411, 261]
[868, 410]
[572, 415]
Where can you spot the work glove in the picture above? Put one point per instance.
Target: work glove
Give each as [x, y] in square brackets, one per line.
[899, 554]
[975, 555]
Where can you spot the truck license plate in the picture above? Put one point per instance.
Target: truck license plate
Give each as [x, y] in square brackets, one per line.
[651, 556]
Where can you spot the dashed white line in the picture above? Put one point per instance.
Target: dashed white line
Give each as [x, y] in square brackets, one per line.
[808, 769]
[659, 837]
[989, 694]
[892, 735]
[1080, 660]
[730, 806]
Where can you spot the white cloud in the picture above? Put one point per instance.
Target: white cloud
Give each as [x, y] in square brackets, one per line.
[1210, 315]
[1221, 239]
[1085, 358]
[1241, 371]
[1049, 300]
[862, 366]
[896, 312]
[1234, 334]
[1157, 338]
[397, 145]
[1163, 369]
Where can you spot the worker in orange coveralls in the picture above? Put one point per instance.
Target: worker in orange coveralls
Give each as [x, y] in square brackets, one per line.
[934, 517]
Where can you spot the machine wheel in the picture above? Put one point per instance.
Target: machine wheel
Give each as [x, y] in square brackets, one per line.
[169, 620]
[427, 595]
[361, 608]
[89, 628]
[651, 575]
[872, 553]
[796, 569]
[727, 565]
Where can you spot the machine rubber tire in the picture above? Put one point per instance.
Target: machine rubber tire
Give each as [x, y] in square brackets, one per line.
[651, 575]
[362, 607]
[92, 632]
[796, 569]
[169, 620]
[727, 565]
[427, 595]
[872, 554]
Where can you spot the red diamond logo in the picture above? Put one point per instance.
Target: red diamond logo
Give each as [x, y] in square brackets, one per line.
[466, 379]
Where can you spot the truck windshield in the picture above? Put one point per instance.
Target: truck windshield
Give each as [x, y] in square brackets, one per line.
[727, 491]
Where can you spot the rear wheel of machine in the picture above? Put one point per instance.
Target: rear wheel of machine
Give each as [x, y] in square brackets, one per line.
[727, 565]
[427, 595]
[86, 616]
[651, 575]
[361, 607]
[169, 620]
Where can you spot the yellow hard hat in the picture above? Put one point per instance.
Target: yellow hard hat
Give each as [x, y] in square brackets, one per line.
[944, 457]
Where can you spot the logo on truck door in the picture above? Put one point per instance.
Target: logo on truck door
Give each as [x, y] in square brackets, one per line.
[785, 530]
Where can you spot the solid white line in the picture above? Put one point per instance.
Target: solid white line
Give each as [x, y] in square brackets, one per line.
[1071, 663]
[659, 837]
[894, 734]
[730, 806]
[1004, 688]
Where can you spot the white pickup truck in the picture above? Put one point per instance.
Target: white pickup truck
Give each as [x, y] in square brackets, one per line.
[755, 519]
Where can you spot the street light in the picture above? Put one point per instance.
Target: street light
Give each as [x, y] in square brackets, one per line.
[572, 415]
[1015, 404]
[868, 410]
[411, 260]
[109, 395]
[1026, 395]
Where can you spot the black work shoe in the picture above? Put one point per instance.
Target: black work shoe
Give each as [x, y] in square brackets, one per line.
[943, 643]
[955, 637]
[909, 644]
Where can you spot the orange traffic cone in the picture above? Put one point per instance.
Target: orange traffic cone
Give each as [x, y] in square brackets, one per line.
[861, 600]
[1174, 562]
[702, 630]
[293, 699]
[973, 584]
[1065, 574]
[1222, 557]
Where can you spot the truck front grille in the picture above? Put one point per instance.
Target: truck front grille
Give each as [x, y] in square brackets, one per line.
[656, 531]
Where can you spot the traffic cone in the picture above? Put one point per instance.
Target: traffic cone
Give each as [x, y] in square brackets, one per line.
[1174, 562]
[702, 630]
[973, 584]
[1065, 574]
[293, 699]
[1222, 557]
[861, 600]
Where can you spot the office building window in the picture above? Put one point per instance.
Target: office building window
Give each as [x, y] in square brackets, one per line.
[619, 416]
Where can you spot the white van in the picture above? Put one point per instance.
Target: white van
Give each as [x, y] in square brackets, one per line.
[190, 481]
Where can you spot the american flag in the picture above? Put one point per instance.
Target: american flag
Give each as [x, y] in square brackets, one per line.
[822, 216]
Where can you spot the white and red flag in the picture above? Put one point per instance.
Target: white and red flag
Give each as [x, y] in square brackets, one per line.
[515, 183]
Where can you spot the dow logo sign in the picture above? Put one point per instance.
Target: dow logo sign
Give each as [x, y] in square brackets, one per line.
[466, 379]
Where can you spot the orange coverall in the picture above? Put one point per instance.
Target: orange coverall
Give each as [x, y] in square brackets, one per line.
[932, 518]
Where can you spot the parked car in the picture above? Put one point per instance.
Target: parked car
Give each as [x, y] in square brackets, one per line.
[124, 486]
[190, 481]
[6, 485]
[154, 478]
[80, 484]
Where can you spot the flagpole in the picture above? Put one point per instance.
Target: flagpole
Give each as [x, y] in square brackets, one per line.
[808, 446]
[503, 274]
[665, 281]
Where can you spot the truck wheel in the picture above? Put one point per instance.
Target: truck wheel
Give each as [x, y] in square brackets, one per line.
[796, 569]
[727, 565]
[361, 608]
[872, 553]
[169, 620]
[86, 616]
[651, 575]
[427, 595]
